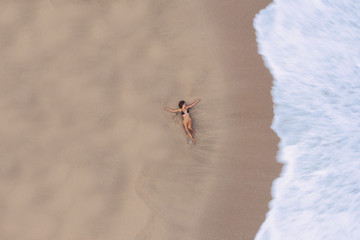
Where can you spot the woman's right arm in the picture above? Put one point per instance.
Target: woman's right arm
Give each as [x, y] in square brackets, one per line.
[172, 110]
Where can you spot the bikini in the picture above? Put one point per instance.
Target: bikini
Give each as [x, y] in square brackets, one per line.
[182, 113]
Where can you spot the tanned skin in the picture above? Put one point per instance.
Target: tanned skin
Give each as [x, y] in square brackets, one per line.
[186, 117]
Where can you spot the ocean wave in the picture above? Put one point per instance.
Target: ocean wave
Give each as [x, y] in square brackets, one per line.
[312, 51]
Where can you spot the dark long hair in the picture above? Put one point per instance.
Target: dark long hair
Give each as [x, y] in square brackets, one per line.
[181, 103]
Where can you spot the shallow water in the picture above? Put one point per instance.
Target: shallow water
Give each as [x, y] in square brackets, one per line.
[312, 51]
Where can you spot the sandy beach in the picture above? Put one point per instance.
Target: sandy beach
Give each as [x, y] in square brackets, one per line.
[88, 151]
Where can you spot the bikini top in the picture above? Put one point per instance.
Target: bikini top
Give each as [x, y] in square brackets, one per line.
[182, 113]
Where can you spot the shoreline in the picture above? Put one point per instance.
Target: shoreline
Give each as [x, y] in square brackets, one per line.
[89, 153]
[246, 176]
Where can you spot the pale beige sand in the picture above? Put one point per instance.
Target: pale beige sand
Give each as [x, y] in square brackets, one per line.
[87, 151]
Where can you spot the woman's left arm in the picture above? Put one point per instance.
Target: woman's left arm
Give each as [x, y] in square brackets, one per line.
[194, 103]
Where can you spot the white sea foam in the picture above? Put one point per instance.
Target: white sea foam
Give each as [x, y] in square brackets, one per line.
[312, 48]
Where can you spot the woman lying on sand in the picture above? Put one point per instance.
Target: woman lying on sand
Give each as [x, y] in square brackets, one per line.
[184, 109]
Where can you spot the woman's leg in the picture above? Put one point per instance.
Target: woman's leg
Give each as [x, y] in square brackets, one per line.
[187, 130]
[189, 126]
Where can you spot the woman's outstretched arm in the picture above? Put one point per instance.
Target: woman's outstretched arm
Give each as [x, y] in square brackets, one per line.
[194, 103]
[172, 110]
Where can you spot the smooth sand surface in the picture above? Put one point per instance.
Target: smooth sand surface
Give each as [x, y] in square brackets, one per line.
[87, 151]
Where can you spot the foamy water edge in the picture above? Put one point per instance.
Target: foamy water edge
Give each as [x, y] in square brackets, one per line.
[310, 48]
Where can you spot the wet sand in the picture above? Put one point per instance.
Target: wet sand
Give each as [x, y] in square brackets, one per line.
[249, 166]
[87, 150]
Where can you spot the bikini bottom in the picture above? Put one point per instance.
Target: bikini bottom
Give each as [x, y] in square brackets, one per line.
[186, 119]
